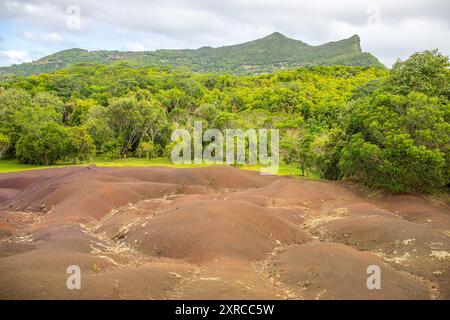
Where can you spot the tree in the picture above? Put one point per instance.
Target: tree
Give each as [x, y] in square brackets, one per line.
[295, 142]
[398, 143]
[43, 146]
[80, 113]
[174, 98]
[360, 159]
[207, 112]
[111, 149]
[12, 101]
[48, 101]
[45, 108]
[132, 120]
[79, 145]
[226, 120]
[147, 148]
[426, 72]
[98, 127]
[399, 166]
[5, 142]
[296, 148]
[178, 115]
[326, 152]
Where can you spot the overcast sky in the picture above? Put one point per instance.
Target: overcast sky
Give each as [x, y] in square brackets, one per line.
[30, 29]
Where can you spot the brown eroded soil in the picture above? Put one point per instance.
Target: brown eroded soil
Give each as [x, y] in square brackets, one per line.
[214, 233]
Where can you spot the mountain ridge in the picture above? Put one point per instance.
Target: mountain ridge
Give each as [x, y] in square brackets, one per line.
[272, 52]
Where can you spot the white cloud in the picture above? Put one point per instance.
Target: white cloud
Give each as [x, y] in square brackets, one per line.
[49, 37]
[391, 42]
[134, 46]
[15, 56]
[400, 27]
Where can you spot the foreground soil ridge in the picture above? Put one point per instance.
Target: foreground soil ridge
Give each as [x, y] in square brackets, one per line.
[214, 233]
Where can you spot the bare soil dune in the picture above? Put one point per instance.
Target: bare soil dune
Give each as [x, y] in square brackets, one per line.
[214, 233]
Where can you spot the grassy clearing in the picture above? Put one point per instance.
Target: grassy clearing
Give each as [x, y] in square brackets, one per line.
[13, 165]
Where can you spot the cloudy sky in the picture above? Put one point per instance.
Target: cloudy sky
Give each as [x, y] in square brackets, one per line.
[30, 29]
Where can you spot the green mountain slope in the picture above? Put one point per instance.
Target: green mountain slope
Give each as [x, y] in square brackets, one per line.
[272, 52]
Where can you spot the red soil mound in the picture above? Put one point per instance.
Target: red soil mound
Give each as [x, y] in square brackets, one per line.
[308, 270]
[216, 232]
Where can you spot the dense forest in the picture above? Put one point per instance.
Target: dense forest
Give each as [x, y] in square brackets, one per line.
[388, 129]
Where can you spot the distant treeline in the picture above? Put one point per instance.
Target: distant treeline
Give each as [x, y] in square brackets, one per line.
[386, 128]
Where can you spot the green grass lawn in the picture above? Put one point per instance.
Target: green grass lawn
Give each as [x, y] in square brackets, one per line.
[13, 165]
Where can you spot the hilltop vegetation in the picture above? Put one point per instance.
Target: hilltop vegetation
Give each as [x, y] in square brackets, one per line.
[388, 129]
[263, 55]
